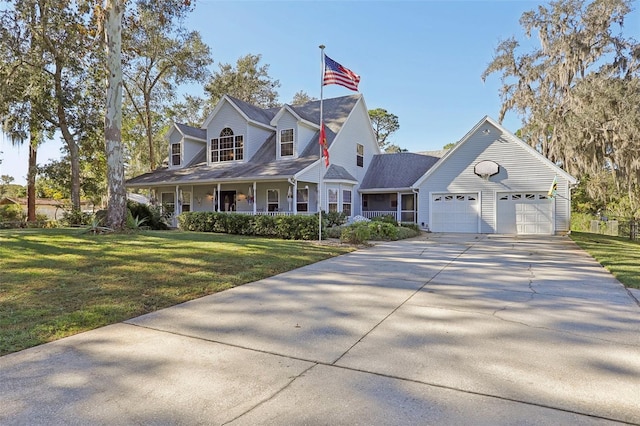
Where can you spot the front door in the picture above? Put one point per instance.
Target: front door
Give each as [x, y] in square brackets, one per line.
[228, 201]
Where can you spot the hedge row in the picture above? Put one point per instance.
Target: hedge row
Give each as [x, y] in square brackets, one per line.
[296, 227]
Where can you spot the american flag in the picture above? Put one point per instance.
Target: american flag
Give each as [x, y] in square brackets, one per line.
[334, 73]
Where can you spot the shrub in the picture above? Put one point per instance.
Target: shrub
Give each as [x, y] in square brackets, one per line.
[413, 226]
[151, 215]
[76, 218]
[581, 222]
[334, 231]
[334, 219]
[408, 232]
[264, 226]
[382, 230]
[11, 213]
[387, 218]
[134, 222]
[358, 233]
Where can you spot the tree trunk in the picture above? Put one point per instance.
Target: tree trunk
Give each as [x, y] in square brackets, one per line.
[72, 146]
[117, 204]
[31, 180]
[152, 152]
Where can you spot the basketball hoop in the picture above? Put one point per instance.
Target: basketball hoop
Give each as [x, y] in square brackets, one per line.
[485, 169]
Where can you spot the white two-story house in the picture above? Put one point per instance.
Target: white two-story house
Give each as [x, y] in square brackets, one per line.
[267, 161]
[252, 160]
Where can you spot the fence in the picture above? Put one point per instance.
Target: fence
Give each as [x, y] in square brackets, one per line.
[619, 228]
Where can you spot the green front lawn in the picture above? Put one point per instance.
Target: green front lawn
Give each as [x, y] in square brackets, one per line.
[59, 282]
[619, 255]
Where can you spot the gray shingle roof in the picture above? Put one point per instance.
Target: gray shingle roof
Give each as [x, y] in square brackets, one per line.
[339, 173]
[335, 111]
[192, 131]
[255, 113]
[263, 164]
[400, 170]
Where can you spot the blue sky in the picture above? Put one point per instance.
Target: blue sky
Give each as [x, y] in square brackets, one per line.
[420, 60]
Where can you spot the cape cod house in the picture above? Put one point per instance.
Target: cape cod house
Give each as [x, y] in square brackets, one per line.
[267, 161]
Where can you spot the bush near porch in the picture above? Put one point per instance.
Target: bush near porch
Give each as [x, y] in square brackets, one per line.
[292, 227]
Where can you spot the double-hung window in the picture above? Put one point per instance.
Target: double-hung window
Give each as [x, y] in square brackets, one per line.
[333, 200]
[273, 200]
[302, 200]
[359, 155]
[346, 202]
[228, 147]
[286, 143]
[176, 156]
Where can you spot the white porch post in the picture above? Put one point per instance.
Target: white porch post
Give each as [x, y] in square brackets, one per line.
[255, 198]
[177, 207]
[295, 197]
[217, 197]
[399, 207]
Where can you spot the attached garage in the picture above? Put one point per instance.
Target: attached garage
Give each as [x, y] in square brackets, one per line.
[524, 213]
[455, 212]
[491, 182]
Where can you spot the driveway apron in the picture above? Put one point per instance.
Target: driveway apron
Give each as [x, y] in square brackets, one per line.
[444, 328]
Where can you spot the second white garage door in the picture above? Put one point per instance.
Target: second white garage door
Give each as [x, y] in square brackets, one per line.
[454, 212]
[524, 213]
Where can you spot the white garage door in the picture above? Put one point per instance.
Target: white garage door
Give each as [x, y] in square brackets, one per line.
[454, 213]
[524, 213]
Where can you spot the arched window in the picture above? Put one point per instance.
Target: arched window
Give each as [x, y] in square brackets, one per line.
[228, 147]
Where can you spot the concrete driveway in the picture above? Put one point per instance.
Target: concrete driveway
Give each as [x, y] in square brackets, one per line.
[443, 329]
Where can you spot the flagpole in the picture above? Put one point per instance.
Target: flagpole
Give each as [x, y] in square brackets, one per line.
[320, 146]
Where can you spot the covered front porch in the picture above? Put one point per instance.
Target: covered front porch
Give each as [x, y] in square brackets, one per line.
[256, 198]
[386, 204]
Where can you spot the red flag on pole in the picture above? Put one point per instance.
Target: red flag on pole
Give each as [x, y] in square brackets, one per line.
[323, 144]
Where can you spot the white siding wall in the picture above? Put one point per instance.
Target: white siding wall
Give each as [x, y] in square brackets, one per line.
[306, 136]
[520, 170]
[255, 137]
[190, 149]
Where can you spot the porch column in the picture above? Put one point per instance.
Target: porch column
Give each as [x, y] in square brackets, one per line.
[255, 198]
[399, 207]
[295, 197]
[177, 207]
[217, 197]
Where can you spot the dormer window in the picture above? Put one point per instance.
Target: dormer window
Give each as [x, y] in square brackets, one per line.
[228, 147]
[286, 143]
[176, 154]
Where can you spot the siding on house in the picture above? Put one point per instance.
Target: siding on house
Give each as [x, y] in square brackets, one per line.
[521, 170]
[190, 149]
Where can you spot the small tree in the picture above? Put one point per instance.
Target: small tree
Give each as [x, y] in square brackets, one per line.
[248, 82]
[384, 124]
[301, 97]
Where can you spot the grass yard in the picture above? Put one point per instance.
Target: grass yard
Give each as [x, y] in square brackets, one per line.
[59, 282]
[619, 255]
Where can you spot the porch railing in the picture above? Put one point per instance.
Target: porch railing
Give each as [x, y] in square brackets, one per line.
[405, 215]
[276, 213]
[370, 214]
